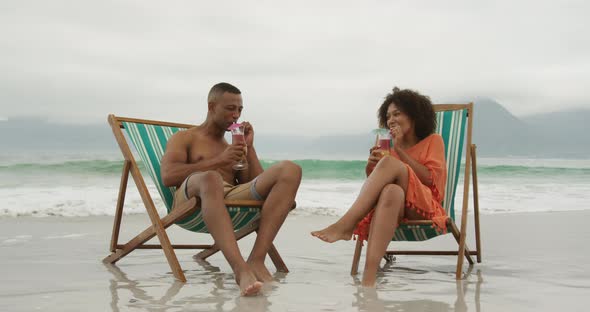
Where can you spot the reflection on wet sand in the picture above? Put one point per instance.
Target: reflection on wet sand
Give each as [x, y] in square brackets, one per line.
[209, 289]
[139, 295]
[145, 294]
[367, 299]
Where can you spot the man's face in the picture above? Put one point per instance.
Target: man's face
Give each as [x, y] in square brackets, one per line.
[227, 109]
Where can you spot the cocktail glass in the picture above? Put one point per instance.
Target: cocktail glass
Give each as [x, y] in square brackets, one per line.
[383, 141]
[237, 137]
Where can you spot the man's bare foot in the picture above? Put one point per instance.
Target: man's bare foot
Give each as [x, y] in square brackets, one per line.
[249, 286]
[333, 233]
[260, 270]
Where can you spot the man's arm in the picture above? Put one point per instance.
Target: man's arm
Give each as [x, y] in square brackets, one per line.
[254, 167]
[175, 167]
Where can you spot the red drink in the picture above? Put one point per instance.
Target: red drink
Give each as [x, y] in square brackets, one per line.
[237, 137]
[384, 146]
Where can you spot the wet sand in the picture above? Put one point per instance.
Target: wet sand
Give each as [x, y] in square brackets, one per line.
[531, 262]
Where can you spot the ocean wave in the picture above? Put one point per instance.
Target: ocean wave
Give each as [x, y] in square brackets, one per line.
[312, 168]
[532, 170]
[76, 166]
[98, 197]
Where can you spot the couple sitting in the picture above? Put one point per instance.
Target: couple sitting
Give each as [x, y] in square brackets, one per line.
[407, 185]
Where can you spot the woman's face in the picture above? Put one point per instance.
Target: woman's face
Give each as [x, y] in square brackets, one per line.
[396, 117]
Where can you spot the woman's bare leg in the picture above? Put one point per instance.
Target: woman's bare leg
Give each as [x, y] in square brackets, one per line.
[388, 212]
[389, 170]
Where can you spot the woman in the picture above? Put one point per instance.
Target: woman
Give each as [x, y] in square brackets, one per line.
[408, 185]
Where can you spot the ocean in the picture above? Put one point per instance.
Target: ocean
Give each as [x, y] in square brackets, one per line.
[86, 184]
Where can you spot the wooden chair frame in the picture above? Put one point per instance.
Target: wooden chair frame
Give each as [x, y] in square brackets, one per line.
[459, 235]
[159, 225]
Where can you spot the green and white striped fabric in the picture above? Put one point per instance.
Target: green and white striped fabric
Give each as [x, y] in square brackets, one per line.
[150, 143]
[451, 126]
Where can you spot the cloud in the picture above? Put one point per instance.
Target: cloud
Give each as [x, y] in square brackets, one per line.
[325, 64]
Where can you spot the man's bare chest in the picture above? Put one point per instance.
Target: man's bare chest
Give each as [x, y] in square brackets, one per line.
[203, 150]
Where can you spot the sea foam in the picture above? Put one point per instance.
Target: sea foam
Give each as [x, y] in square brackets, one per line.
[75, 186]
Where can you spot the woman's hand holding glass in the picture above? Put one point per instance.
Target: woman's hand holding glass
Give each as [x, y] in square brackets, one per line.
[374, 157]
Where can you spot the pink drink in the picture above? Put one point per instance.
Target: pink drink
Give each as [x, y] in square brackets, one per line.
[237, 138]
[384, 146]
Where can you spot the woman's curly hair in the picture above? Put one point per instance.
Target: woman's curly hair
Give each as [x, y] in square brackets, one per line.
[417, 106]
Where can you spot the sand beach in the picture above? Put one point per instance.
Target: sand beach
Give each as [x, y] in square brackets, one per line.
[531, 262]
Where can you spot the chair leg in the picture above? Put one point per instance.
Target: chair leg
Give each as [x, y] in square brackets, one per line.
[120, 203]
[357, 257]
[150, 232]
[476, 204]
[277, 260]
[253, 226]
[462, 250]
[143, 237]
[389, 257]
[459, 270]
[169, 252]
[457, 236]
[158, 229]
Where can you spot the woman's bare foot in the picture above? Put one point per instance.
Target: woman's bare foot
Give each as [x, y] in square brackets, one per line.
[333, 233]
[369, 278]
[369, 283]
[249, 286]
[260, 270]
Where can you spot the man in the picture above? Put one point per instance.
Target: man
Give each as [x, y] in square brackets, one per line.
[199, 163]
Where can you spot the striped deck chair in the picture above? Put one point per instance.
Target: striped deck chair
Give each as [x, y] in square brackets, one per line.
[452, 121]
[149, 138]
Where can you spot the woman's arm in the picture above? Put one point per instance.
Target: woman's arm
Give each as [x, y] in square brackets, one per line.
[433, 169]
[420, 170]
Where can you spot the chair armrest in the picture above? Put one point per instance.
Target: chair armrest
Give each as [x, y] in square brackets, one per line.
[248, 203]
[244, 203]
[417, 222]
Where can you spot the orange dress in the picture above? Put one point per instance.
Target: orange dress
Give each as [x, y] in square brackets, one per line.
[426, 200]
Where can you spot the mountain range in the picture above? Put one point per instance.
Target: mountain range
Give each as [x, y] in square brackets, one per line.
[496, 132]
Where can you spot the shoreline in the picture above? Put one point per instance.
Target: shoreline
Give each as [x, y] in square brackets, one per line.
[302, 213]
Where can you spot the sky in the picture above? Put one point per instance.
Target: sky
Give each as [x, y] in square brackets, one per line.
[304, 67]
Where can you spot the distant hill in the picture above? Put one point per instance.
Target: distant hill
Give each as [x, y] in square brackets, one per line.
[36, 134]
[496, 132]
[565, 133]
[558, 134]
